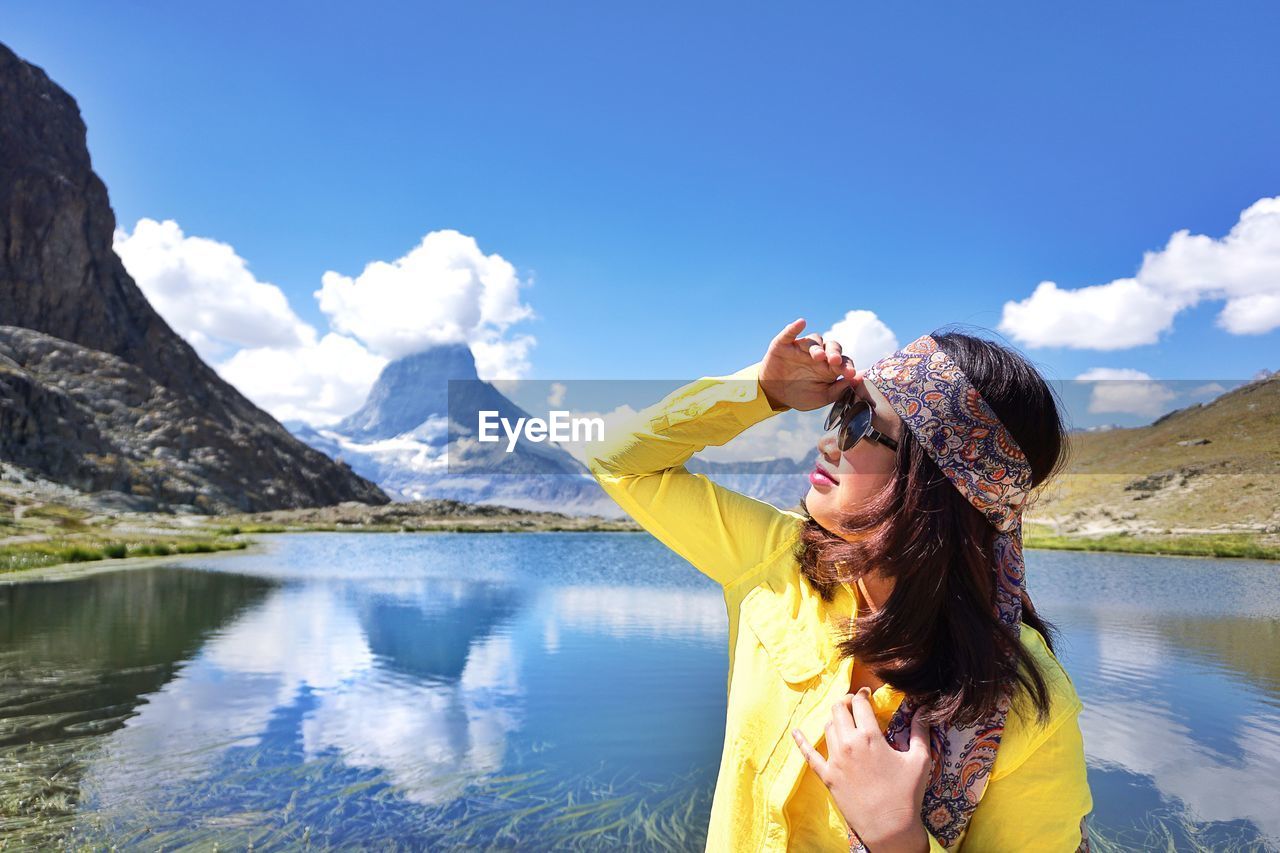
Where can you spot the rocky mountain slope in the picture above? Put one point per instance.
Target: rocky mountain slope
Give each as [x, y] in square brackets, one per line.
[96, 422]
[100, 392]
[1209, 467]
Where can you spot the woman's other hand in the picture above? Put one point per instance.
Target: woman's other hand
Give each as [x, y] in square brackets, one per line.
[878, 789]
[804, 373]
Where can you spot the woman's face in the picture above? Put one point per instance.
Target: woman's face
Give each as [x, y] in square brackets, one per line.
[844, 481]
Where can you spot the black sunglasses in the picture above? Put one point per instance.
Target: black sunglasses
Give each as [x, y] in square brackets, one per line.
[853, 414]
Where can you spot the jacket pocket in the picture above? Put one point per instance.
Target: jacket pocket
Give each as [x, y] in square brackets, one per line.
[790, 641]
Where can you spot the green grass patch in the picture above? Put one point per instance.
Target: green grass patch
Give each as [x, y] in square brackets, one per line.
[152, 549]
[1239, 545]
[33, 555]
[66, 517]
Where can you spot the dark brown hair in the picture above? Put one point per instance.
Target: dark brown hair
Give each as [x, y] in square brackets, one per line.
[937, 638]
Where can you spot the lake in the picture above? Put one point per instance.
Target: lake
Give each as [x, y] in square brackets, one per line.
[546, 690]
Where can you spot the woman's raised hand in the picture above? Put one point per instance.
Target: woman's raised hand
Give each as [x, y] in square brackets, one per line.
[804, 373]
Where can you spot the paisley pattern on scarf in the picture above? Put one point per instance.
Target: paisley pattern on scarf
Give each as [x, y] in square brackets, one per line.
[963, 435]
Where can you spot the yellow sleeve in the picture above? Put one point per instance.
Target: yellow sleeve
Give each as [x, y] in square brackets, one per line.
[641, 465]
[1040, 804]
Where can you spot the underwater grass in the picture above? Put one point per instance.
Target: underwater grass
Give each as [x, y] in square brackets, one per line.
[1171, 830]
[39, 793]
[327, 809]
[325, 804]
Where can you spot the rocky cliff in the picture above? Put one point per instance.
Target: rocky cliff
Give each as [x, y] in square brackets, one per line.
[180, 434]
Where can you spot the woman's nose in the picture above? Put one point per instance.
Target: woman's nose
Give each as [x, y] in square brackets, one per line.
[828, 445]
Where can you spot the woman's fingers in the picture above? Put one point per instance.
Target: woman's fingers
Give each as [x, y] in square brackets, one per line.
[825, 362]
[842, 721]
[811, 345]
[849, 378]
[789, 332]
[863, 715]
[814, 348]
[811, 755]
[835, 356]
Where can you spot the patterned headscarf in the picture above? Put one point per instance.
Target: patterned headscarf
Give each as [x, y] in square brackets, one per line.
[963, 435]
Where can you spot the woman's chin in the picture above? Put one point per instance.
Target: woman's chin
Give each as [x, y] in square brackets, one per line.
[817, 500]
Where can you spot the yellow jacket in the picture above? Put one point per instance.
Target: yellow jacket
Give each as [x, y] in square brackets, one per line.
[784, 666]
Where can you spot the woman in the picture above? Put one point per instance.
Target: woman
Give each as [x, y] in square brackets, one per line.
[889, 683]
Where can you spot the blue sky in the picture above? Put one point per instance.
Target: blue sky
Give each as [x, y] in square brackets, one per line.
[673, 182]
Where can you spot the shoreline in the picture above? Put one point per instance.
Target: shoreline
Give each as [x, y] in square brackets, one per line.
[1249, 544]
[1155, 547]
[84, 568]
[53, 531]
[1132, 544]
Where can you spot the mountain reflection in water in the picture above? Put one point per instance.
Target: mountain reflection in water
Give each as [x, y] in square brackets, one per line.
[560, 689]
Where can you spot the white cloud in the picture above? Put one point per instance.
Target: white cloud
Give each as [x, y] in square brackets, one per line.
[1251, 315]
[444, 290]
[1119, 315]
[791, 434]
[318, 382]
[863, 336]
[204, 290]
[555, 397]
[1122, 390]
[1242, 269]
[500, 357]
[1208, 391]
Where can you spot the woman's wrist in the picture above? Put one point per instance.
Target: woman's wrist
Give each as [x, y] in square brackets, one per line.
[773, 404]
[913, 840]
